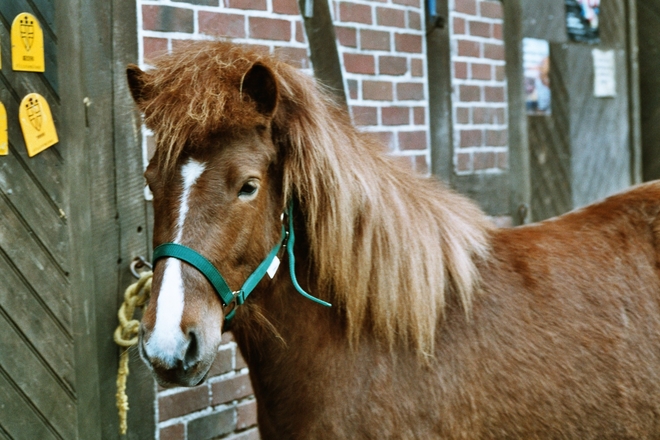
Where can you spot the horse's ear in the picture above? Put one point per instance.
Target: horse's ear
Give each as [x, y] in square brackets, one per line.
[137, 83]
[260, 85]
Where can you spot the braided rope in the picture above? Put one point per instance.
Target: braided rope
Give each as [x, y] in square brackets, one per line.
[126, 336]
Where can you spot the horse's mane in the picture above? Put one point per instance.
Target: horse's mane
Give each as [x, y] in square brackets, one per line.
[389, 247]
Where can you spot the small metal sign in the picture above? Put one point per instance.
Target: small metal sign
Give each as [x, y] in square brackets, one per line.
[583, 20]
[27, 44]
[4, 141]
[37, 124]
[604, 73]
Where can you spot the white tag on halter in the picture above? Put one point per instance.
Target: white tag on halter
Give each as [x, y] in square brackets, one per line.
[272, 269]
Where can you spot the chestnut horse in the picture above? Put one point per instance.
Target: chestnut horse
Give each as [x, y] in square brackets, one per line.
[441, 326]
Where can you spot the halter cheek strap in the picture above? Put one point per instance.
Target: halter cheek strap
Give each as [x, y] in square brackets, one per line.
[233, 298]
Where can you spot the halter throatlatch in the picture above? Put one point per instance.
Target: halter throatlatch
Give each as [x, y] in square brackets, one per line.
[233, 298]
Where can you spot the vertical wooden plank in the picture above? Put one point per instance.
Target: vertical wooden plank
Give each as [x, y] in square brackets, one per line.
[634, 93]
[440, 104]
[323, 46]
[519, 166]
[78, 184]
[131, 206]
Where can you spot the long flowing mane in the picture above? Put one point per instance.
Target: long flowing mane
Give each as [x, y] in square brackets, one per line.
[388, 247]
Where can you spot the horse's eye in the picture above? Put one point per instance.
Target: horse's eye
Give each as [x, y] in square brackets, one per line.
[247, 190]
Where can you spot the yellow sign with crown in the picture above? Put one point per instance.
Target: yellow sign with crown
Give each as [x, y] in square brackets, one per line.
[4, 140]
[37, 124]
[27, 44]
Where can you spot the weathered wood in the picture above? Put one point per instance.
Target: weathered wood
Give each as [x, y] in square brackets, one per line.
[519, 168]
[634, 93]
[489, 190]
[324, 54]
[17, 418]
[545, 20]
[440, 104]
[36, 382]
[648, 15]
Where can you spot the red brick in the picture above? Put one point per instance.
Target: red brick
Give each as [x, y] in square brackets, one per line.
[255, 5]
[173, 432]
[488, 115]
[374, 40]
[490, 9]
[417, 67]
[377, 90]
[464, 162]
[211, 425]
[184, 402]
[463, 115]
[414, 3]
[199, 2]
[484, 160]
[459, 26]
[466, 6]
[481, 71]
[460, 70]
[153, 48]
[408, 43]
[223, 361]
[480, 29]
[502, 160]
[419, 115]
[412, 140]
[222, 25]
[469, 49]
[232, 388]
[494, 94]
[395, 115]
[352, 88]
[420, 164]
[391, 17]
[469, 93]
[359, 63]
[385, 138]
[388, 65]
[300, 32]
[355, 13]
[497, 138]
[270, 28]
[410, 91]
[405, 161]
[167, 19]
[240, 361]
[471, 138]
[414, 20]
[246, 414]
[289, 7]
[347, 36]
[494, 51]
[294, 56]
[497, 31]
[365, 115]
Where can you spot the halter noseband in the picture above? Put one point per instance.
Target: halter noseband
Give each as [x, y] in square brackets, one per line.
[232, 298]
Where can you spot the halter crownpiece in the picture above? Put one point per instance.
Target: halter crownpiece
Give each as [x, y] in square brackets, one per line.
[234, 298]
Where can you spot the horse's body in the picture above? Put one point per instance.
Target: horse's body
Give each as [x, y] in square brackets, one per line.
[441, 326]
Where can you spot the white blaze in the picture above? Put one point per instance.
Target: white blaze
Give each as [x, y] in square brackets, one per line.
[167, 340]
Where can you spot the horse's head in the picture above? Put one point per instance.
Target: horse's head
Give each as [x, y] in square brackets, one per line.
[218, 192]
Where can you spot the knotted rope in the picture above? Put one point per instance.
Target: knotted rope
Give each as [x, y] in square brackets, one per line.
[126, 336]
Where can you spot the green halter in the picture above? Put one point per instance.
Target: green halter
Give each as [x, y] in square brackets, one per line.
[237, 297]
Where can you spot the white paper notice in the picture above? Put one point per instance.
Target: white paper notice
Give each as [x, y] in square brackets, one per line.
[604, 73]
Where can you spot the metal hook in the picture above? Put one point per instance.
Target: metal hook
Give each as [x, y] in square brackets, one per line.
[139, 263]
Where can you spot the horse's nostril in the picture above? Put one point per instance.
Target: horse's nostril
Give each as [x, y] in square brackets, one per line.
[192, 351]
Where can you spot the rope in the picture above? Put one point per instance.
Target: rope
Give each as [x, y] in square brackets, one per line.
[126, 336]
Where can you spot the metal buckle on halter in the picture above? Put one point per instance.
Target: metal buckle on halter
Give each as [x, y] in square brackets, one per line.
[230, 308]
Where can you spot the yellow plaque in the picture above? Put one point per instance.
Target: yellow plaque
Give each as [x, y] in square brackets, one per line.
[37, 124]
[27, 44]
[4, 141]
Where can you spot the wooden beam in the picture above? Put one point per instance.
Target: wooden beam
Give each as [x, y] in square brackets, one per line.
[324, 54]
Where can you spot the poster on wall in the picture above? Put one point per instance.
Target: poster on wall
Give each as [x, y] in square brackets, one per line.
[582, 20]
[536, 64]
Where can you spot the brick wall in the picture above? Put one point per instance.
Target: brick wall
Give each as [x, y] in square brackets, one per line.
[383, 53]
[479, 87]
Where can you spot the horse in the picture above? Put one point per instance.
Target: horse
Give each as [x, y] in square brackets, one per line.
[400, 312]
